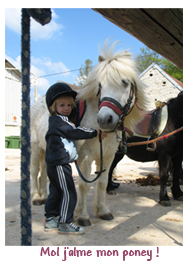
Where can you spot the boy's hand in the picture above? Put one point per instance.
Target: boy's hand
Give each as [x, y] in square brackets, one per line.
[103, 134]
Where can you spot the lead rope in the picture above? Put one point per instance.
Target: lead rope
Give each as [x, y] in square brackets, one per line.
[101, 164]
[156, 139]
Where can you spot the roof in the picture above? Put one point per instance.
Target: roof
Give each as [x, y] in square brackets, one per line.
[9, 65]
[178, 84]
[161, 29]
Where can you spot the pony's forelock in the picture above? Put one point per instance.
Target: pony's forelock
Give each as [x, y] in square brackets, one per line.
[113, 67]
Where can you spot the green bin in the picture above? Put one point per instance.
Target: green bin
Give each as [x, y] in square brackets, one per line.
[14, 142]
[7, 142]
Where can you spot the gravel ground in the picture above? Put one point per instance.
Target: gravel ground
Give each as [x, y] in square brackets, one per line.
[138, 218]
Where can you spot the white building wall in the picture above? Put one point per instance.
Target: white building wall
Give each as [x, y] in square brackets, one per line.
[158, 86]
[12, 100]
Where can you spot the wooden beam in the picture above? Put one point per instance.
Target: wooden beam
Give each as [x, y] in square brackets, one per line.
[159, 29]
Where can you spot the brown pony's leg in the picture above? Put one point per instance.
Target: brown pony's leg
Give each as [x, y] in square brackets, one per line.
[164, 161]
[177, 175]
[111, 185]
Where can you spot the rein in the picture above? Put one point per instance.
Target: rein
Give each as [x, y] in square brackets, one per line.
[101, 165]
[156, 139]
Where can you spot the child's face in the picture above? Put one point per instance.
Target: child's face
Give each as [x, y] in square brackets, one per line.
[64, 106]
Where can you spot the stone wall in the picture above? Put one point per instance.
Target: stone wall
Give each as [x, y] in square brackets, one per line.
[158, 86]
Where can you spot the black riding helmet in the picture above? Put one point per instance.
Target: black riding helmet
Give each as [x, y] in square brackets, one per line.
[56, 90]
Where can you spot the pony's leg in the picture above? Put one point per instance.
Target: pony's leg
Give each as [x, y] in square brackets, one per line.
[111, 185]
[43, 180]
[100, 209]
[35, 164]
[164, 162]
[177, 174]
[81, 208]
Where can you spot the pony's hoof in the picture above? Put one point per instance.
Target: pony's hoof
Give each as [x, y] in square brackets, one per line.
[43, 201]
[83, 222]
[107, 216]
[165, 203]
[179, 199]
[111, 192]
[115, 185]
[37, 202]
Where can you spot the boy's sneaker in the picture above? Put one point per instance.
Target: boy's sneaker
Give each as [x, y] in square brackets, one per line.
[51, 224]
[70, 229]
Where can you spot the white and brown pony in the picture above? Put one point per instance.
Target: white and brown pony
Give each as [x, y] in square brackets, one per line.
[110, 93]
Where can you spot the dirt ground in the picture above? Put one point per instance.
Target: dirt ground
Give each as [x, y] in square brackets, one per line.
[138, 218]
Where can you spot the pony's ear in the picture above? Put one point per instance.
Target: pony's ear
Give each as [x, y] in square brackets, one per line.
[128, 55]
[100, 58]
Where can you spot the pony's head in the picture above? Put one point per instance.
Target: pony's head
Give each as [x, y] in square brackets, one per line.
[115, 83]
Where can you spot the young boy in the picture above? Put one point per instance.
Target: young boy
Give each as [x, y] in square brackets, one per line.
[60, 151]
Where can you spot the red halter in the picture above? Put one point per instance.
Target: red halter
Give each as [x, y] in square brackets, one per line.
[111, 106]
[116, 106]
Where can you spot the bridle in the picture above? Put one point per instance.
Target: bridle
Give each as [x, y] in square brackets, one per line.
[121, 111]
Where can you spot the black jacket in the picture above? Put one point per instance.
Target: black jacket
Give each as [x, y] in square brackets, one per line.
[60, 127]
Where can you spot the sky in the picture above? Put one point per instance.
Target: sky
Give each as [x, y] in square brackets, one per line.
[63, 45]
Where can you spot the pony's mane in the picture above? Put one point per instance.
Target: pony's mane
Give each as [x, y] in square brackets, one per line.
[113, 67]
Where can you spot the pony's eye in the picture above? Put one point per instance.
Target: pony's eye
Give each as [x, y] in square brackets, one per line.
[99, 89]
[125, 82]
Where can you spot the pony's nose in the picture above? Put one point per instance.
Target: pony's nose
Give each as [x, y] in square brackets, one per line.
[105, 121]
[109, 120]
